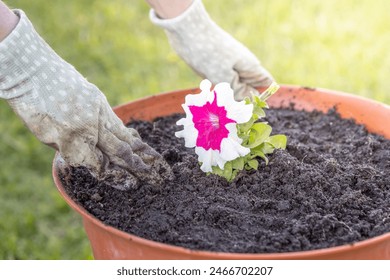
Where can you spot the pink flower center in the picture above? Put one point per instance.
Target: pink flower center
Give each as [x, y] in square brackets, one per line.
[210, 120]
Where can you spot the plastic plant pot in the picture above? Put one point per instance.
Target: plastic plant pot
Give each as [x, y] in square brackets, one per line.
[110, 243]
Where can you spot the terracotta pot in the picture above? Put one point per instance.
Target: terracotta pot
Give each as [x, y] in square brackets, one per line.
[110, 243]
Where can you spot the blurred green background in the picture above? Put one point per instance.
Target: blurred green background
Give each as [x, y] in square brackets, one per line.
[341, 45]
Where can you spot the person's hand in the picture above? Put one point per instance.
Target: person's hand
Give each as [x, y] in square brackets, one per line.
[211, 52]
[68, 113]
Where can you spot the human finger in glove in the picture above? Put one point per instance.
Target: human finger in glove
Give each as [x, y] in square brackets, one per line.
[209, 50]
[63, 110]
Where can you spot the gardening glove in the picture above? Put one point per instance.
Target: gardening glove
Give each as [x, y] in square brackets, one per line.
[211, 52]
[63, 110]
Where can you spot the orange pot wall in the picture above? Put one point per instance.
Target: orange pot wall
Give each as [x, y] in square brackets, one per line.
[110, 243]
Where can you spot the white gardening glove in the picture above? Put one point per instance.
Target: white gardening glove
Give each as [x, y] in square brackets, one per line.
[211, 52]
[63, 110]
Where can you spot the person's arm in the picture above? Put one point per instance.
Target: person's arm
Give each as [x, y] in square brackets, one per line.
[169, 8]
[68, 113]
[207, 49]
[8, 21]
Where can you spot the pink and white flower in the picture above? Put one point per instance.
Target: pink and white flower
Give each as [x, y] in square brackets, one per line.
[211, 122]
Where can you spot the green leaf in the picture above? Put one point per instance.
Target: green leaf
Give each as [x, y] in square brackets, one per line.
[244, 138]
[238, 163]
[259, 153]
[279, 141]
[245, 127]
[253, 163]
[262, 104]
[266, 148]
[256, 98]
[266, 160]
[247, 100]
[226, 172]
[259, 112]
[258, 134]
[234, 174]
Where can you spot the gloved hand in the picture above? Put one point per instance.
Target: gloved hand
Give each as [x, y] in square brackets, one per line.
[70, 114]
[211, 52]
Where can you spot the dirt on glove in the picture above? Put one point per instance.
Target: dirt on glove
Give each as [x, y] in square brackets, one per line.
[331, 186]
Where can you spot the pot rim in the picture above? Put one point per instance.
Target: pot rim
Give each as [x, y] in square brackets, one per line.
[316, 253]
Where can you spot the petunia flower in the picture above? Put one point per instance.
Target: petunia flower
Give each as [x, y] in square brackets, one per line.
[211, 122]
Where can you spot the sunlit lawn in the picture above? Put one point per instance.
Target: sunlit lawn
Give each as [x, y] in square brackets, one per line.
[341, 45]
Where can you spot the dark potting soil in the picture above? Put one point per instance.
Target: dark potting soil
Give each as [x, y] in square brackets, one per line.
[331, 186]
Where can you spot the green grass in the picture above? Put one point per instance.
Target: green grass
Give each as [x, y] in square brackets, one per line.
[341, 45]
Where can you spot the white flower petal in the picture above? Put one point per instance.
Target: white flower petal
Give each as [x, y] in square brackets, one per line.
[205, 158]
[190, 134]
[220, 161]
[179, 134]
[196, 99]
[243, 151]
[228, 151]
[231, 150]
[209, 158]
[238, 111]
[232, 128]
[231, 146]
[201, 98]
[182, 121]
[225, 94]
[205, 85]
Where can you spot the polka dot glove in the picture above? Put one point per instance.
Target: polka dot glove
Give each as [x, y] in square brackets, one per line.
[211, 52]
[70, 114]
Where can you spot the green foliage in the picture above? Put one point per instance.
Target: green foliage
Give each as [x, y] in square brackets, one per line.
[256, 136]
